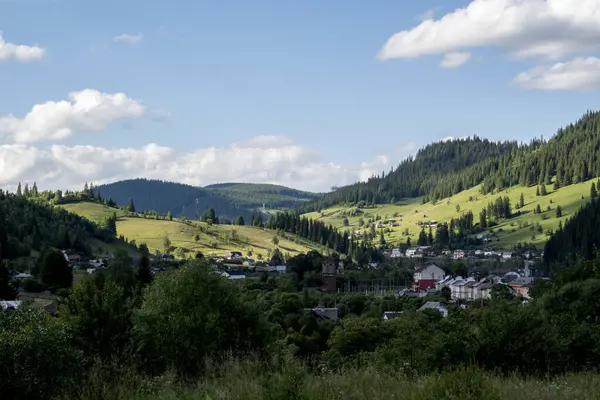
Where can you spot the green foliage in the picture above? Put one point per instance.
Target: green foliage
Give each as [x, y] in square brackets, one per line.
[210, 319]
[98, 312]
[55, 270]
[37, 360]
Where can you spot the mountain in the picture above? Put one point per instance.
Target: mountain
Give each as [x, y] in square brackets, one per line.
[446, 168]
[228, 199]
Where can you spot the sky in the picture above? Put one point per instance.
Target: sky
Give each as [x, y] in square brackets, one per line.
[309, 94]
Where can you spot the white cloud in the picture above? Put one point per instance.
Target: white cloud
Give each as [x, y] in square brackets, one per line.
[455, 60]
[86, 111]
[266, 159]
[577, 74]
[129, 38]
[547, 28]
[19, 52]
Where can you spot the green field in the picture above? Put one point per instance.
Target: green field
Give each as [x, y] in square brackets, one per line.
[213, 239]
[92, 211]
[509, 232]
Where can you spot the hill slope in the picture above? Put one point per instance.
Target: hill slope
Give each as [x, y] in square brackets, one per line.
[443, 169]
[212, 239]
[229, 200]
[508, 233]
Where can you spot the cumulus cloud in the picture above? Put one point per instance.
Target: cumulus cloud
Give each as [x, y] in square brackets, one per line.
[19, 52]
[86, 111]
[577, 74]
[128, 38]
[265, 159]
[455, 60]
[547, 28]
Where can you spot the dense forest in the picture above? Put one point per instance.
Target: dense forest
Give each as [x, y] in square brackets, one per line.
[228, 200]
[442, 169]
[580, 236]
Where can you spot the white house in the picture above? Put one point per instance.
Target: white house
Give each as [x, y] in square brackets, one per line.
[427, 276]
[233, 275]
[507, 255]
[396, 253]
[458, 254]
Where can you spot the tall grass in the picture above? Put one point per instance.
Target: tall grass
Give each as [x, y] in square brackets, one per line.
[249, 380]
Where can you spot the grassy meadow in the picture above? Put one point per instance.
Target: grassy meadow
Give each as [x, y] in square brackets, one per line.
[212, 239]
[244, 381]
[509, 232]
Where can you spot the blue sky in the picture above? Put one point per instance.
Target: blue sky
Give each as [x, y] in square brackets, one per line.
[303, 73]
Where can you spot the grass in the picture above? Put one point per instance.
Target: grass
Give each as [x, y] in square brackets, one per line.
[213, 239]
[241, 381]
[92, 211]
[509, 232]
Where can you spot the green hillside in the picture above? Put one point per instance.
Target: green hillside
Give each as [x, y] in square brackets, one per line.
[444, 169]
[212, 239]
[408, 212]
[229, 200]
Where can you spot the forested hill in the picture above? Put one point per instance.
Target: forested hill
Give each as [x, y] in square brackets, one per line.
[579, 238]
[33, 224]
[229, 200]
[257, 195]
[445, 168]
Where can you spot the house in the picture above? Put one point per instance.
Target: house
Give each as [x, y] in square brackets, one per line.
[74, 258]
[396, 253]
[426, 276]
[327, 313]
[388, 315]
[521, 286]
[23, 275]
[233, 275]
[435, 305]
[507, 255]
[234, 255]
[96, 263]
[9, 305]
[91, 270]
[458, 254]
[418, 251]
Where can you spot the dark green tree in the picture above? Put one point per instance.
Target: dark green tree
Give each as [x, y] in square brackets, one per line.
[240, 221]
[130, 206]
[593, 191]
[55, 270]
[144, 274]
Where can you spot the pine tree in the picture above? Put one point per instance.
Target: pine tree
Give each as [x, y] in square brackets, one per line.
[240, 221]
[537, 191]
[593, 191]
[144, 274]
[381, 238]
[543, 191]
[538, 209]
[130, 206]
[19, 192]
[521, 201]
[558, 211]
[7, 292]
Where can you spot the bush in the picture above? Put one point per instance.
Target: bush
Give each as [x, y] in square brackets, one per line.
[36, 357]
